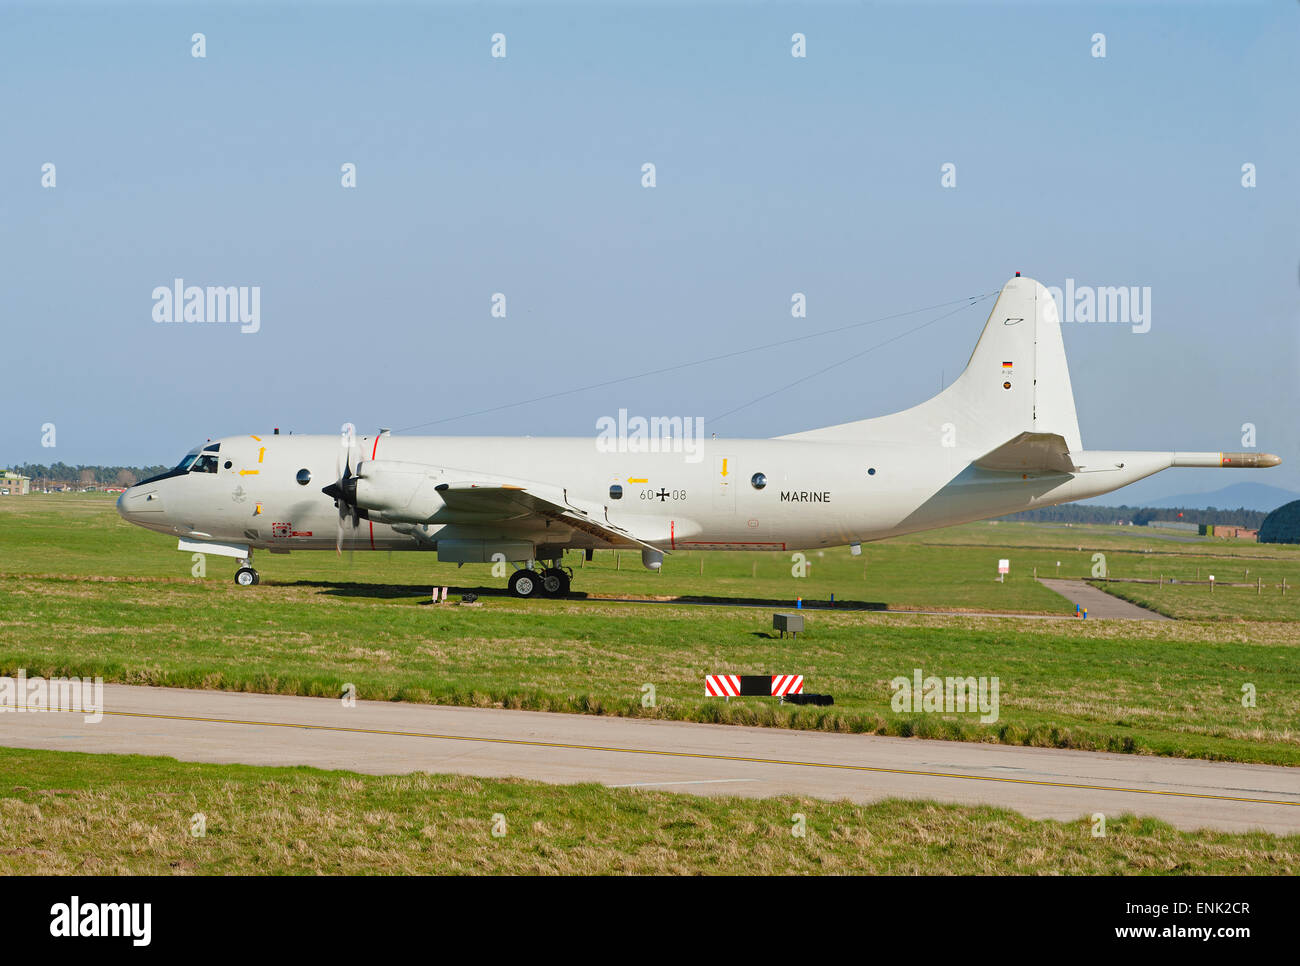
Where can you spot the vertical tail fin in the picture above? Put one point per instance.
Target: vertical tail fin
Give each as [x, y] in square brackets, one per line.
[1016, 381]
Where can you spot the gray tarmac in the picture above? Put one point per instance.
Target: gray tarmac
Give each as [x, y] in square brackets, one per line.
[396, 738]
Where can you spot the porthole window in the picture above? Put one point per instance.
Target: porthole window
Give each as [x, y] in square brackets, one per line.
[616, 492]
[758, 481]
[871, 471]
[303, 477]
[228, 464]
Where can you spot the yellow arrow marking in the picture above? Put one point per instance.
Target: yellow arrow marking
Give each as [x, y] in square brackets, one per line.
[258, 438]
[724, 467]
[638, 479]
[249, 472]
[261, 451]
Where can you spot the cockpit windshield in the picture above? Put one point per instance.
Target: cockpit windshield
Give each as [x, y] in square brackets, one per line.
[201, 459]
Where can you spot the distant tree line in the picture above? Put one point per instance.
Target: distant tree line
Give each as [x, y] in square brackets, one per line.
[1140, 515]
[81, 475]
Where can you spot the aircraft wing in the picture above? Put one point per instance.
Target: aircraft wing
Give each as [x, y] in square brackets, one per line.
[1030, 453]
[507, 501]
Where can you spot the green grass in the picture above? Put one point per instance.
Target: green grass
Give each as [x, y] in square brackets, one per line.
[71, 813]
[1229, 600]
[1110, 686]
[1155, 688]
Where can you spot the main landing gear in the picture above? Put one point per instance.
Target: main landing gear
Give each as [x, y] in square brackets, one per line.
[551, 582]
[246, 576]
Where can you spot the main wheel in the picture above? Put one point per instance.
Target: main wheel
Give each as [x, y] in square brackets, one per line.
[246, 576]
[524, 583]
[555, 582]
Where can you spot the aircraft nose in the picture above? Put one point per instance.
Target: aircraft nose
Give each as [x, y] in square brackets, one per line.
[139, 502]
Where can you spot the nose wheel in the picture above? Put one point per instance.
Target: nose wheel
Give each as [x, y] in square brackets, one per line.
[247, 576]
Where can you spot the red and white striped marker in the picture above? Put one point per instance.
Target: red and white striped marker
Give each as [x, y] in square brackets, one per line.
[783, 684]
[722, 685]
[752, 685]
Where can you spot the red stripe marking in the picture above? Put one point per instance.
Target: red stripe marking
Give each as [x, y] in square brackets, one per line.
[672, 534]
[373, 450]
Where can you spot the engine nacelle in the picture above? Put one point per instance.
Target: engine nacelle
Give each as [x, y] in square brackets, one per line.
[392, 491]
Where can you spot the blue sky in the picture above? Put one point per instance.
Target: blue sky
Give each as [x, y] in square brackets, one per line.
[522, 176]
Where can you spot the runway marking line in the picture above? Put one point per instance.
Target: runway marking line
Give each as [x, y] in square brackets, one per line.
[876, 769]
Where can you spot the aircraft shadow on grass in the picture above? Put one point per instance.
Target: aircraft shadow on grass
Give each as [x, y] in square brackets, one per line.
[334, 588]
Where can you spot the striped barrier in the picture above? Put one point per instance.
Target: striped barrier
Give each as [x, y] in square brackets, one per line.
[783, 684]
[722, 686]
[752, 685]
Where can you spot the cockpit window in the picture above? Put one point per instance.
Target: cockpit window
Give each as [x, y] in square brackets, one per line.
[180, 469]
[212, 448]
[207, 463]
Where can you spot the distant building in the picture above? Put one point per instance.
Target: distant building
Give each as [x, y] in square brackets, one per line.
[1282, 525]
[14, 484]
[1232, 533]
[1173, 525]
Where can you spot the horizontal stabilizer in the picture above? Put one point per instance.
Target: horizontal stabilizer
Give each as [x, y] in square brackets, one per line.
[1030, 453]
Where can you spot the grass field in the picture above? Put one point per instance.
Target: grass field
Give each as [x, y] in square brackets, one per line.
[64, 812]
[316, 625]
[949, 570]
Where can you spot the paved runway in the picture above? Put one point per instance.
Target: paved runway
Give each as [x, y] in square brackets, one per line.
[392, 738]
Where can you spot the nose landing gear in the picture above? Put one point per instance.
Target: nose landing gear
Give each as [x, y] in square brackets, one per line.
[246, 576]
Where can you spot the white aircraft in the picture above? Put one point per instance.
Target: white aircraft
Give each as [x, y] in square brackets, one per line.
[1003, 437]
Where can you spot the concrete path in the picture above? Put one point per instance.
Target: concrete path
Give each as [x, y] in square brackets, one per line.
[1101, 605]
[393, 738]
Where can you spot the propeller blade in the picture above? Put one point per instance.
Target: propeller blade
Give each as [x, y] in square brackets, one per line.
[344, 495]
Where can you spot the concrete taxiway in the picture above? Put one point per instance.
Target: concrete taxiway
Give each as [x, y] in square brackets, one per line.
[1099, 604]
[392, 738]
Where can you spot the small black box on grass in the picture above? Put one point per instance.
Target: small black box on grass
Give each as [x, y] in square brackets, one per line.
[787, 623]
